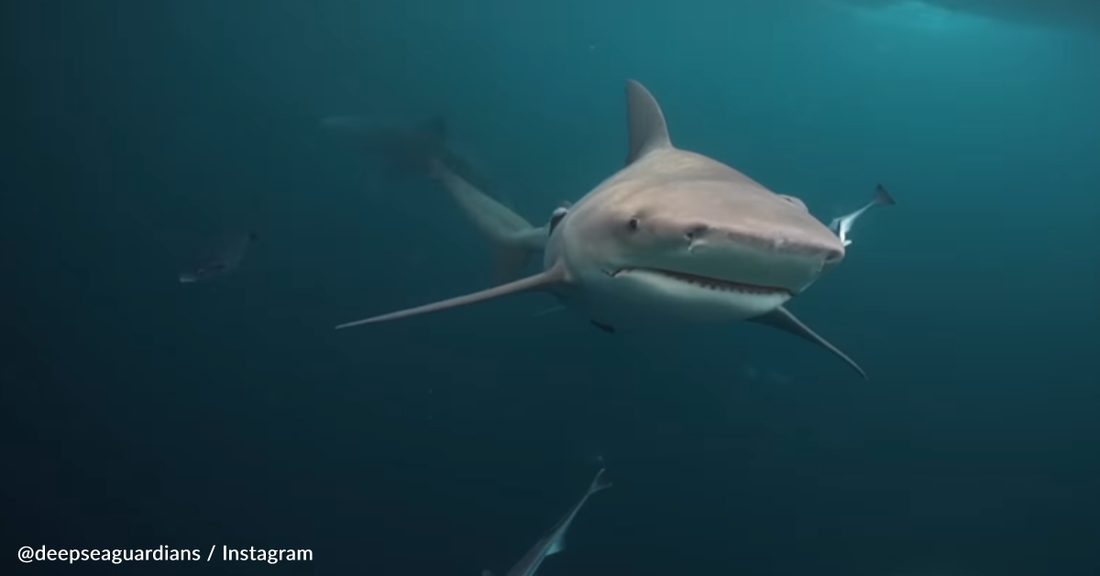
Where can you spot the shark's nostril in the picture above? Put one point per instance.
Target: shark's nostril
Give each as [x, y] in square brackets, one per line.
[695, 232]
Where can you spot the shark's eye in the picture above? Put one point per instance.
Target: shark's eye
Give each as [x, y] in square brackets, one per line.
[632, 224]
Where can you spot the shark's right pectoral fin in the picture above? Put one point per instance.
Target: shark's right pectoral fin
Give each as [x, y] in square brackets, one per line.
[782, 319]
[539, 281]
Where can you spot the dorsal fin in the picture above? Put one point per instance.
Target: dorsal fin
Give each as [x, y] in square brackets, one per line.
[648, 131]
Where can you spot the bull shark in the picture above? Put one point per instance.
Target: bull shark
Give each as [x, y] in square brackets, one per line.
[675, 237]
[554, 541]
[406, 148]
[843, 225]
[424, 148]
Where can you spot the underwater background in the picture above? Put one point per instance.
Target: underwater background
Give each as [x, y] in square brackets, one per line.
[143, 412]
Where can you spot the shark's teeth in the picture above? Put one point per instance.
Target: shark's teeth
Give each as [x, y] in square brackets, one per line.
[713, 283]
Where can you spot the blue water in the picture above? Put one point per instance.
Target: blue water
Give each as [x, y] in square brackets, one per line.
[141, 412]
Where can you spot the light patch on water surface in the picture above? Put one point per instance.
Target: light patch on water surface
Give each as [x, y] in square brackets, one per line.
[916, 15]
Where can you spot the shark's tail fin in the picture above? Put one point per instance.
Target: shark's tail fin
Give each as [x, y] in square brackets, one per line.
[400, 148]
[600, 482]
[416, 150]
[514, 239]
[882, 197]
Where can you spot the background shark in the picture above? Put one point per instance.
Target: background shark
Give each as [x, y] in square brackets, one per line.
[424, 149]
[408, 148]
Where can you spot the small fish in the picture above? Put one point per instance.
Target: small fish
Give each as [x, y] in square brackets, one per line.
[553, 542]
[224, 261]
[843, 225]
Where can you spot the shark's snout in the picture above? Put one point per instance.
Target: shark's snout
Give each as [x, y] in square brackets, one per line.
[783, 259]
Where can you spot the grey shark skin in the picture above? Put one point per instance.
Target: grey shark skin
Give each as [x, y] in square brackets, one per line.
[843, 225]
[226, 260]
[676, 237]
[554, 541]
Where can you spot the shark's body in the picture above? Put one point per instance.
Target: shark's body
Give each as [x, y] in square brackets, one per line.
[676, 237]
[554, 541]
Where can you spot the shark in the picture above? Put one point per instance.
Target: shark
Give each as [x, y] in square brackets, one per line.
[425, 148]
[674, 237]
[404, 147]
[554, 541]
[843, 225]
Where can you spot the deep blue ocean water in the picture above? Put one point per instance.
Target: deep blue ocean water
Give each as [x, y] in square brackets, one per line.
[141, 412]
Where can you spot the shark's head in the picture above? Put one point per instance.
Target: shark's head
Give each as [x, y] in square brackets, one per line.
[689, 234]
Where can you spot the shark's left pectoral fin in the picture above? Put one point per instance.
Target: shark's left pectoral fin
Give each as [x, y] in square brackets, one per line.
[782, 319]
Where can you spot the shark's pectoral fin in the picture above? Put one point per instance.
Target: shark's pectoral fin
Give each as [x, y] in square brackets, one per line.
[605, 327]
[539, 281]
[782, 319]
[486, 573]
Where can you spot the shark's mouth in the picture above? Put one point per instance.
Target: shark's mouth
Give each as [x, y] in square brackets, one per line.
[709, 282]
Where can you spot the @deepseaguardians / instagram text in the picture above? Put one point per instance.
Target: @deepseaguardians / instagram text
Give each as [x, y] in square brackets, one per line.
[29, 554]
